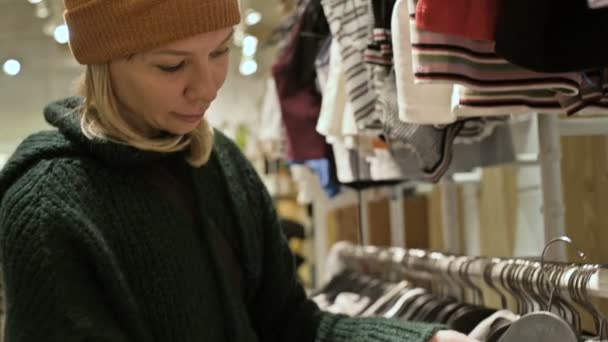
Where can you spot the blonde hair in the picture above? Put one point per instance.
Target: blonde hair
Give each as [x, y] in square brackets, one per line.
[100, 118]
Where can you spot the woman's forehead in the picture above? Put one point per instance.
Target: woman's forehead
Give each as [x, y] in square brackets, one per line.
[204, 41]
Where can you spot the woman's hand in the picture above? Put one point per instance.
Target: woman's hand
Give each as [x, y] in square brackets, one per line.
[450, 336]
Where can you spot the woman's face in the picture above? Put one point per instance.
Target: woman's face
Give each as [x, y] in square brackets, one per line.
[170, 88]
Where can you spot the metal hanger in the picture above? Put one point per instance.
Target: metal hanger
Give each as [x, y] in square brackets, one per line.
[487, 277]
[506, 283]
[578, 291]
[465, 275]
[543, 326]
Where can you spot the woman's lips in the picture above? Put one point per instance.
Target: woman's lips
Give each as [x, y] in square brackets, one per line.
[191, 118]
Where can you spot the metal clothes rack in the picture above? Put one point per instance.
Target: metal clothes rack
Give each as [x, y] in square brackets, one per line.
[370, 259]
[550, 129]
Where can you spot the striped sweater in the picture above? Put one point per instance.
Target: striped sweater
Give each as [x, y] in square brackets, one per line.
[489, 84]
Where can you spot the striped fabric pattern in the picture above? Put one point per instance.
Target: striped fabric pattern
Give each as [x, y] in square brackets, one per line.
[418, 103]
[351, 23]
[431, 146]
[492, 85]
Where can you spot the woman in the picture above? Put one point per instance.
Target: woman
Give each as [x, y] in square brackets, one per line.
[133, 220]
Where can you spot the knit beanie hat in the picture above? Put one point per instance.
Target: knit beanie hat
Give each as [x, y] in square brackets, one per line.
[102, 30]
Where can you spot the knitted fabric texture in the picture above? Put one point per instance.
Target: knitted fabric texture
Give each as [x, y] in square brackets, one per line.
[101, 31]
[93, 250]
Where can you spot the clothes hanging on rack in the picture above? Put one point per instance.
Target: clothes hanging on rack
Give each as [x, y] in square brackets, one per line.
[299, 109]
[495, 150]
[333, 89]
[350, 22]
[424, 286]
[431, 146]
[379, 53]
[447, 92]
[489, 81]
[552, 35]
[480, 128]
[420, 104]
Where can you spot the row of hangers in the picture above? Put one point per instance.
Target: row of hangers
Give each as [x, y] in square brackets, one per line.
[454, 289]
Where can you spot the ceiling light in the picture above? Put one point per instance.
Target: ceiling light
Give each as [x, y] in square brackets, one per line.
[34, 1]
[248, 67]
[252, 17]
[61, 34]
[12, 67]
[250, 45]
[238, 37]
[42, 11]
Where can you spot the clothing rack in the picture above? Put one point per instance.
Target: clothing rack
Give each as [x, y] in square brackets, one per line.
[550, 130]
[396, 262]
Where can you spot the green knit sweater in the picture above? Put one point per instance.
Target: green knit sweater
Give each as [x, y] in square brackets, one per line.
[93, 250]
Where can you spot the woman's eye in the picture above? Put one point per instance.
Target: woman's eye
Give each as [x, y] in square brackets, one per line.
[220, 53]
[171, 68]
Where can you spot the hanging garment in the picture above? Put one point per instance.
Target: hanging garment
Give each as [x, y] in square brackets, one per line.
[270, 121]
[497, 149]
[348, 303]
[430, 146]
[420, 103]
[313, 29]
[379, 53]
[306, 182]
[324, 170]
[350, 165]
[477, 129]
[383, 166]
[475, 19]
[483, 329]
[354, 166]
[333, 103]
[322, 65]
[300, 110]
[552, 35]
[495, 84]
[593, 90]
[351, 24]
[595, 4]
[468, 102]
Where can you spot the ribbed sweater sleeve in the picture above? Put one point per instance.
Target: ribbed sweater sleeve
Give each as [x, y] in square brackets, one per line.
[281, 310]
[52, 293]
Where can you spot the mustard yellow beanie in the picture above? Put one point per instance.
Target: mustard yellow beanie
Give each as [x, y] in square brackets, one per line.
[102, 30]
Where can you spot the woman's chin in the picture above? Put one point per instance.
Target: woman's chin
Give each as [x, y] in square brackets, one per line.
[181, 129]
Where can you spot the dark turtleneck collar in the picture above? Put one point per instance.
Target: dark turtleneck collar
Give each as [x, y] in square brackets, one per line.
[63, 115]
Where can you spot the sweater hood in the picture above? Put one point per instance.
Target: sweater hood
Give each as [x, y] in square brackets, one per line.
[68, 141]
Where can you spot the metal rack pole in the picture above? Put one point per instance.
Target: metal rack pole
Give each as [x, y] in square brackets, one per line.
[449, 215]
[551, 182]
[398, 236]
